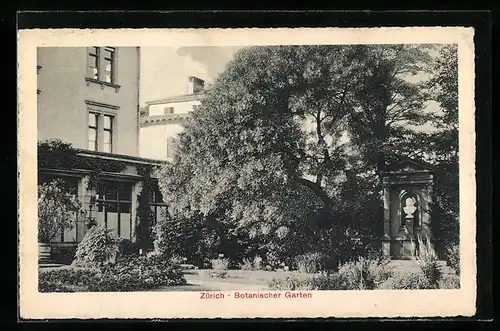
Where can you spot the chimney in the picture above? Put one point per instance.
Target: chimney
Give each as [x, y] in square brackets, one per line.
[195, 85]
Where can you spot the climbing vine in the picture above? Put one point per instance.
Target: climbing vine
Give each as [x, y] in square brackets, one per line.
[56, 154]
[60, 155]
[144, 215]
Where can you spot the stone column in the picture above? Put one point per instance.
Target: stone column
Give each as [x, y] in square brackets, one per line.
[85, 195]
[136, 190]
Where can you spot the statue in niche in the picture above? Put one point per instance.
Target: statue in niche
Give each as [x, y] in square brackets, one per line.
[410, 207]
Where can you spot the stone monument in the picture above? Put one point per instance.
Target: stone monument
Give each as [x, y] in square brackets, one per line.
[407, 209]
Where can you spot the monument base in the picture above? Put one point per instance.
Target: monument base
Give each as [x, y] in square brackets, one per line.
[398, 249]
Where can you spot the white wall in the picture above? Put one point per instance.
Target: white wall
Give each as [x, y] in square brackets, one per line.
[179, 107]
[153, 139]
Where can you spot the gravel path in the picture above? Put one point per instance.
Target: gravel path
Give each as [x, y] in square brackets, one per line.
[225, 286]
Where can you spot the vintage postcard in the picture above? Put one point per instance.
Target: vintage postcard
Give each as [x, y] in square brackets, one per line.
[243, 173]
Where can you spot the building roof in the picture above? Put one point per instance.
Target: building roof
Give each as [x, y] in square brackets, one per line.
[404, 163]
[161, 119]
[120, 157]
[178, 98]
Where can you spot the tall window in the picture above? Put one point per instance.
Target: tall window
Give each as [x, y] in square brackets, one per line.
[115, 203]
[94, 62]
[100, 135]
[109, 59]
[116, 196]
[93, 127]
[158, 206]
[108, 134]
[168, 110]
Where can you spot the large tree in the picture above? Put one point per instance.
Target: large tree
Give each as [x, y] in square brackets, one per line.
[443, 146]
[285, 133]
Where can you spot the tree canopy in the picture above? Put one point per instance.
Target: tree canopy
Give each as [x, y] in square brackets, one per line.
[289, 140]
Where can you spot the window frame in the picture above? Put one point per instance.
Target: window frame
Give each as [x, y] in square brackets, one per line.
[168, 110]
[112, 62]
[96, 59]
[156, 202]
[95, 128]
[103, 203]
[102, 110]
[109, 130]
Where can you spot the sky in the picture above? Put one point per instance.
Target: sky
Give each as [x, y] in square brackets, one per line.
[165, 70]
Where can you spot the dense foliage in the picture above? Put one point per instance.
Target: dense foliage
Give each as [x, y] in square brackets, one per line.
[97, 248]
[219, 267]
[104, 263]
[365, 275]
[65, 280]
[427, 258]
[284, 155]
[63, 255]
[54, 153]
[128, 273]
[58, 210]
[443, 146]
[144, 214]
[454, 257]
[137, 273]
[311, 262]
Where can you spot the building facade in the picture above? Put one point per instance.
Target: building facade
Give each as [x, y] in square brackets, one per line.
[88, 97]
[161, 121]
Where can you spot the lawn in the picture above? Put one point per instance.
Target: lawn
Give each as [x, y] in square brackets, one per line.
[258, 277]
[185, 288]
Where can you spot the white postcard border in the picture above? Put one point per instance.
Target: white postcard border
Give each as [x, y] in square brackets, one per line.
[376, 303]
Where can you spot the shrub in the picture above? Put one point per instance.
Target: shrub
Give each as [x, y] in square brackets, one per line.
[47, 287]
[449, 282]
[126, 247]
[381, 269]
[258, 263]
[246, 265]
[453, 257]
[311, 263]
[407, 281]
[96, 249]
[432, 272]
[62, 280]
[135, 273]
[290, 284]
[321, 282]
[364, 274]
[427, 258]
[255, 264]
[176, 259]
[63, 255]
[272, 259]
[129, 273]
[220, 267]
[57, 210]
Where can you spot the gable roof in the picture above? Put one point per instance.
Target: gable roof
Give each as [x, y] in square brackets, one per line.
[404, 163]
